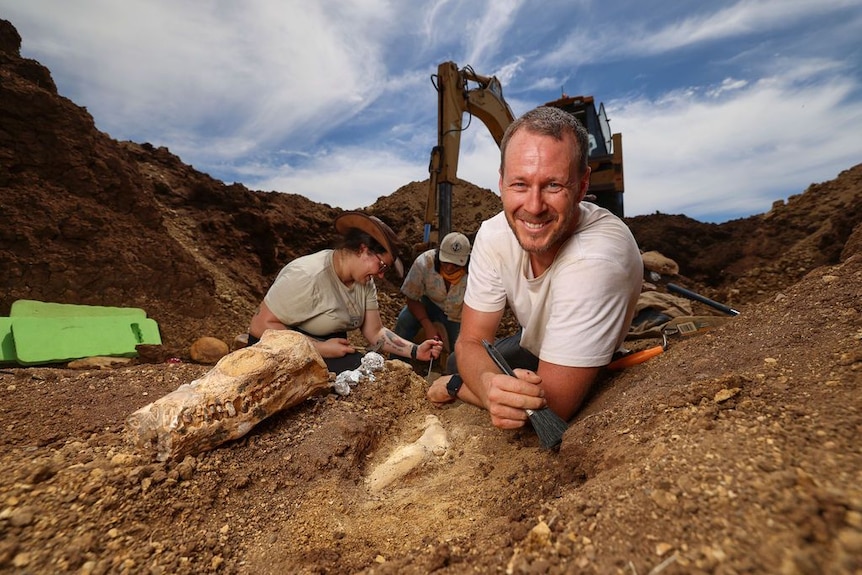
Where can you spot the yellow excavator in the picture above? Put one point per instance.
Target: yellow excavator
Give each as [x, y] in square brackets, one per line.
[463, 91]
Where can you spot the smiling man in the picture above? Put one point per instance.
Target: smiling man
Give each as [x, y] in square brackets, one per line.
[570, 271]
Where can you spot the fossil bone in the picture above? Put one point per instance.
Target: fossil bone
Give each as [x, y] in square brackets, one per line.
[403, 460]
[241, 390]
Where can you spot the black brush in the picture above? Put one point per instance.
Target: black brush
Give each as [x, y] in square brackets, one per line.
[549, 426]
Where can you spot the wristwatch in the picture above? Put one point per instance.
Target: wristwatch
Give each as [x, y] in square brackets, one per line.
[454, 384]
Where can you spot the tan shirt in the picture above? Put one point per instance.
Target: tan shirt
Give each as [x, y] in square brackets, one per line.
[308, 295]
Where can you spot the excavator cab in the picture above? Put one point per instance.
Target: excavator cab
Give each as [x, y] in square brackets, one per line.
[606, 151]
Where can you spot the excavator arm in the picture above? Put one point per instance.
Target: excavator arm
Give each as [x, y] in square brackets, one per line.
[459, 92]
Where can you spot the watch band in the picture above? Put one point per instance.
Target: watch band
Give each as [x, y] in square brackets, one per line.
[454, 385]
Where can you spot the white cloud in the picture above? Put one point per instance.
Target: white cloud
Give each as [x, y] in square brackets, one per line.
[727, 85]
[346, 177]
[486, 32]
[743, 17]
[244, 74]
[738, 153]
[667, 29]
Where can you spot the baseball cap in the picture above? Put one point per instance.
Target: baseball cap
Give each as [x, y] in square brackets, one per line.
[455, 249]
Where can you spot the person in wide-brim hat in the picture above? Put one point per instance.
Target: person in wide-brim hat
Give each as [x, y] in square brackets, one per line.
[374, 227]
[329, 293]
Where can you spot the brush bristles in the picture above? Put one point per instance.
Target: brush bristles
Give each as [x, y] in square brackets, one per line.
[549, 426]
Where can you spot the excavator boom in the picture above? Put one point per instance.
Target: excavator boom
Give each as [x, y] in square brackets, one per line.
[459, 92]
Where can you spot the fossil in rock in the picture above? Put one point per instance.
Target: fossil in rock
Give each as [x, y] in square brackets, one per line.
[241, 390]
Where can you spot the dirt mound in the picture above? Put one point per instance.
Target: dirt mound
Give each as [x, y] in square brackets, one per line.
[734, 451]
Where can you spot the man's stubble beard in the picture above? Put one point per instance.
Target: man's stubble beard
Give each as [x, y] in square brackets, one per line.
[560, 235]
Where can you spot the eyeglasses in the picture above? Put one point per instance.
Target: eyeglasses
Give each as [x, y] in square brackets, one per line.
[383, 265]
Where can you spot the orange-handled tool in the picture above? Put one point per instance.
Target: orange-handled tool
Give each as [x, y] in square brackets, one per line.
[638, 356]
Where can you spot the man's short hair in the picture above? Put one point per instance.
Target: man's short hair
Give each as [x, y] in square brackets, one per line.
[550, 121]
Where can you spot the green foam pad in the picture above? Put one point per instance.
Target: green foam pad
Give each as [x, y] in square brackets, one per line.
[33, 308]
[7, 342]
[55, 339]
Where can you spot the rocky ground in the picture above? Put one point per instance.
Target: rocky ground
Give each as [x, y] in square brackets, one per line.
[734, 451]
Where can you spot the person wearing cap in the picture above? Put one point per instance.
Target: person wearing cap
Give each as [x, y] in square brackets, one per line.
[326, 294]
[434, 288]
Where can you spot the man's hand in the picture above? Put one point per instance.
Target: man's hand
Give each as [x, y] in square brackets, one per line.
[508, 398]
[438, 394]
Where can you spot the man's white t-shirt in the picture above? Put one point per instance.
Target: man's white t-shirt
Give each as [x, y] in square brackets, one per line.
[578, 312]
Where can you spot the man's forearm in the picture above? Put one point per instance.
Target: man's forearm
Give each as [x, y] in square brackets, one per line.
[473, 365]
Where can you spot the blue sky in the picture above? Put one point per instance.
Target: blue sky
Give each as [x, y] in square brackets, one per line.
[724, 107]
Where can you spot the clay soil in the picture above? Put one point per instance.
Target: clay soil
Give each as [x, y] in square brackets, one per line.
[734, 451]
